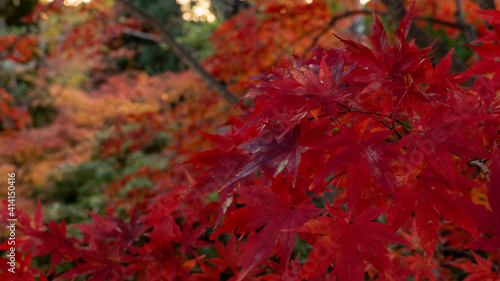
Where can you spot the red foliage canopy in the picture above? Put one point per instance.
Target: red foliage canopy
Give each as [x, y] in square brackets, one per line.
[367, 155]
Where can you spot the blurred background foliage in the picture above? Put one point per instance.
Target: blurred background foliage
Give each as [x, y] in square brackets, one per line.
[12, 12]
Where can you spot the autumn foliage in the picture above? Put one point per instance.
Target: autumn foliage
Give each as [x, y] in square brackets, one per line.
[360, 162]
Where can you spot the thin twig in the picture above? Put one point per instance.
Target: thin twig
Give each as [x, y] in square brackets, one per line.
[480, 163]
[354, 110]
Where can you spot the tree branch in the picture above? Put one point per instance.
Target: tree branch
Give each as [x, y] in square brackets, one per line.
[469, 32]
[166, 37]
[334, 19]
[140, 34]
[486, 4]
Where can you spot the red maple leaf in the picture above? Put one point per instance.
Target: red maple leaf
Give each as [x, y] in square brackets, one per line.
[489, 51]
[222, 166]
[430, 197]
[479, 271]
[365, 153]
[271, 153]
[439, 134]
[387, 67]
[488, 221]
[349, 242]
[278, 208]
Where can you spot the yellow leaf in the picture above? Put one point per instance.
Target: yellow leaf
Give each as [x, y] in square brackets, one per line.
[314, 113]
[479, 196]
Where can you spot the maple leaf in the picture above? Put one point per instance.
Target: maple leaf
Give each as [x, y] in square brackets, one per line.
[488, 221]
[385, 63]
[494, 185]
[434, 88]
[434, 139]
[427, 195]
[228, 256]
[479, 102]
[419, 263]
[308, 84]
[217, 178]
[24, 270]
[481, 270]
[25, 225]
[323, 82]
[101, 267]
[365, 153]
[54, 242]
[278, 208]
[110, 237]
[489, 51]
[112, 228]
[270, 154]
[290, 273]
[349, 242]
[423, 266]
[387, 71]
[156, 261]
